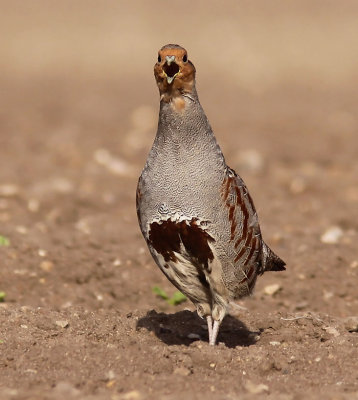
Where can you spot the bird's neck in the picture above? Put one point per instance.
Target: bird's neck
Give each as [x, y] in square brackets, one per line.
[183, 117]
[186, 131]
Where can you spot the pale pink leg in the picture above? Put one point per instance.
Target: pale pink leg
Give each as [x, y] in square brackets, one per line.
[214, 333]
[209, 321]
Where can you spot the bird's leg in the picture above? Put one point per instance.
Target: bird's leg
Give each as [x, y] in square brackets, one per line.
[209, 321]
[214, 333]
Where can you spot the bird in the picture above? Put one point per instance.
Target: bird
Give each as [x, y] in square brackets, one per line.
[195, 213]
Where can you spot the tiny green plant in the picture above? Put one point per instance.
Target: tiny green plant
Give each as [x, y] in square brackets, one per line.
[2, 296]
[4, 241]
[177, 298]
[160, 292]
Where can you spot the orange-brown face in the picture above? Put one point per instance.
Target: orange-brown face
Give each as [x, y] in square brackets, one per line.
[174, 73]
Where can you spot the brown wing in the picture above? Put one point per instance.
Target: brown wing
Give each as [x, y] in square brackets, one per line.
[245, 234]
[252, 255]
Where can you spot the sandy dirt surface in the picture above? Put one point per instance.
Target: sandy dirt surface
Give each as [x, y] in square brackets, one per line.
[78, 114]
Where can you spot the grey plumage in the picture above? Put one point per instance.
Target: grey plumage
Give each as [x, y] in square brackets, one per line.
[195, 213]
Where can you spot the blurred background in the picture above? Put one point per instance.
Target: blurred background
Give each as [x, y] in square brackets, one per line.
[78, 114]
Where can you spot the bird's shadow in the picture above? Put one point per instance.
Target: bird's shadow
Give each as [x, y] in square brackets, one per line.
[184, 327]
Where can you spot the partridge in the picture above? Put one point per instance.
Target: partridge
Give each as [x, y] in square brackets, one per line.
[195, 213]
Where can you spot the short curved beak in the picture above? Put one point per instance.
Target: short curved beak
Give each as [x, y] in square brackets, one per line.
[170, 68]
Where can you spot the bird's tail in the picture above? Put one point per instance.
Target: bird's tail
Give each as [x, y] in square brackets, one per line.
[270, 261]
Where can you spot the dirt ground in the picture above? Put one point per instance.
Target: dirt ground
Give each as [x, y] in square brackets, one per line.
[78, 114]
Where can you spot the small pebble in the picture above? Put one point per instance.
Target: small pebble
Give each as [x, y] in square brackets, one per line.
[110, 375]
[251, 160]
[354, 264]
[212, 365]
[193, 336]
[113, 164]
[46, 265]
[31, 371]
[277, 237]
[332, 235]
[33, 205]
[332, 331]
[83, 226]
[197, 344]
[254, 388]
[42, 253]
[62, 323]
[270, 290]
[351, 324]
[62, 185]
[8, 190]
[273, 343]
[327, 295]
[21, 229]
[182, 371]
[132, 395]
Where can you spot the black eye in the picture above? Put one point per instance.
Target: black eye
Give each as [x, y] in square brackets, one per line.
[159, 58]
[185, 58]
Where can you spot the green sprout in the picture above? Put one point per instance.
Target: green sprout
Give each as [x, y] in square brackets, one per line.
[2, 296]
[177, 298]
[4, 241]
[160, 292]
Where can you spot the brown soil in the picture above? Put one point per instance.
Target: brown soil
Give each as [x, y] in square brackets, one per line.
[77, 118]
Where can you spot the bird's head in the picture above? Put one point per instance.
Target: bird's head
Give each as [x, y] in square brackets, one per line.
[174, 73]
